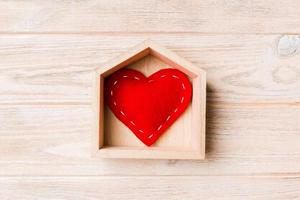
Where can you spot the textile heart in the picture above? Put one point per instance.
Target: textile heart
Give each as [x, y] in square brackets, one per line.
[148, 105]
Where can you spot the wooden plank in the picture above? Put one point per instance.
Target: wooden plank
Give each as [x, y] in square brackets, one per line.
[51, 69]
[233, 188]
[251, 16]
[55, 140]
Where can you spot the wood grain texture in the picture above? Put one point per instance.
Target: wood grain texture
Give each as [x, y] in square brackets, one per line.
[58, 68]
[249, 49]
[119, 188]
[253, 97]
[246, 16]
[40, 139]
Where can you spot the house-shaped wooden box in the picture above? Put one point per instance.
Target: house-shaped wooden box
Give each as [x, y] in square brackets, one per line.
[185, 139]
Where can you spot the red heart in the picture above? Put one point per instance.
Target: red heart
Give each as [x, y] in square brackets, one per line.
[148, 106]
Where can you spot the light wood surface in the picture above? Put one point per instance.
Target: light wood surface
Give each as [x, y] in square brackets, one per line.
[211, 16]
[48, 50]
[172, 188]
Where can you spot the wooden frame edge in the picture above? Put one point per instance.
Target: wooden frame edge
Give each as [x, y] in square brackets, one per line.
[199, 79]
[133, 153]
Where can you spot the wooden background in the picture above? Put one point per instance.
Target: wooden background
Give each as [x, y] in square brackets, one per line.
[249, 48]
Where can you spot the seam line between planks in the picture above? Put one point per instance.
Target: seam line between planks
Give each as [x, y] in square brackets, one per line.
[143, 33]
[263, 175]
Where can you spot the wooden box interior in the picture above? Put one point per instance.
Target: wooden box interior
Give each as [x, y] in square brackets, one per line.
[179, 136]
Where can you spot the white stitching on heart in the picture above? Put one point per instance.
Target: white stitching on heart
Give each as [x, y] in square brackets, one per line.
[183, 86]
[169, 116]
[182, 99]
[159, 127]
